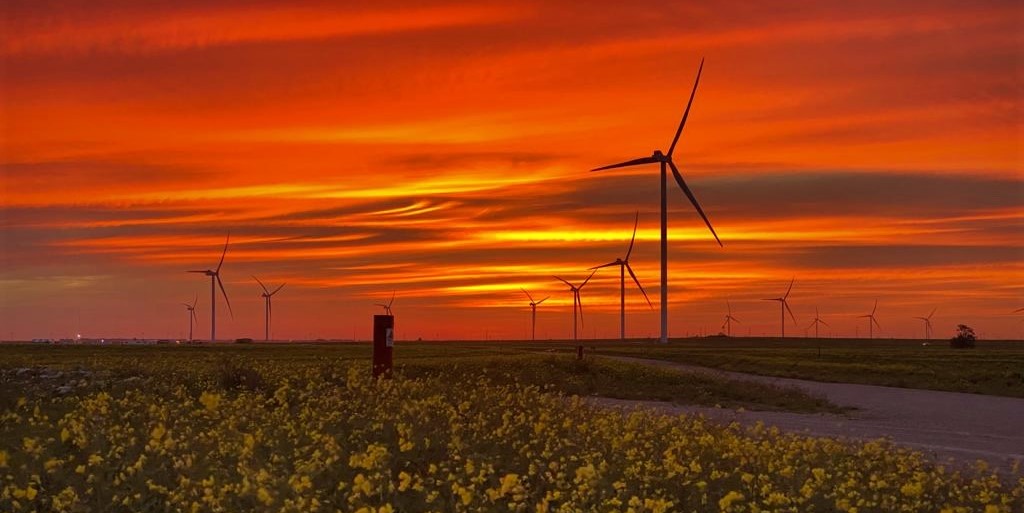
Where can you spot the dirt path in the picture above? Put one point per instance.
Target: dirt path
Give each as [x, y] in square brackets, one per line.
[964, 427]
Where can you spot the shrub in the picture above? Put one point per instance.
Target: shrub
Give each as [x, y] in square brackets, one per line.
[234, 375]
[964, 338]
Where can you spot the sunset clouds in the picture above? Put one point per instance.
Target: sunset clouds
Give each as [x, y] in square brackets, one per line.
[872, 150]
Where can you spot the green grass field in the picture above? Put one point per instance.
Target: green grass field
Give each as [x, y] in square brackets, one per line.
[500, 363]
[995, 368]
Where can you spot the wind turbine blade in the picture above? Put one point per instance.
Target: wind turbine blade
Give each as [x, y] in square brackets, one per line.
[542, 300]
[635, 280]
[863, 316]
[788, 290]
[875, 308]
[393, 292]
[933, 313]
[636, 224]
[195, 300]
[563, 281]
[686, 113]
[609, 264]
[222, 255]
[728, 307]
[634, 162]
[876, 322]
[187, 305]
[261, 284]
[823, 322]
[277, 289]
[226, 300]
[586, 280]
[772, 299]
[380, 305]
[693, 199]
[786, 304]
[204, 272]
[734, 319]
[579, 301]
[528, 295]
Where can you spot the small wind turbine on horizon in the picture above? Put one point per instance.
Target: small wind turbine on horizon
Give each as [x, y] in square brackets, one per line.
[817, 320]
[267, 308]
[214, 275]
[927, 324]
[533, 313]
[729, 319]
[387, 307]
[191, 315]
[624, 266]
[665, 161]
[784, 306]
[576, 301]
[871, 321]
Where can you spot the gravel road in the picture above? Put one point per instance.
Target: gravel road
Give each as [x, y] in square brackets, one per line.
[944, 425]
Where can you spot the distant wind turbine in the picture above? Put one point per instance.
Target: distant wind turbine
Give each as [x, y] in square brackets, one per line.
[784, 306]
[624, 266]
[871, 321]
[387, 307]
[729, 319]
[927, 324]
[214, 275]
[665, 161]
[268, 309]
[191, 315]
[576, 301]
[533, 314]
[817, 320]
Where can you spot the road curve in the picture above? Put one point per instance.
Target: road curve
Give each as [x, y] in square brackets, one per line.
[943, 425]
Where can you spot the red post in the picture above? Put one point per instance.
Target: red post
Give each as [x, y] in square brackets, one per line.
[579, 352]
[383, 344]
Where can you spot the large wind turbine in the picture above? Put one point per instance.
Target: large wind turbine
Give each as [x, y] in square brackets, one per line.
[214, 275]
[268, 309]
[387, 307]
[871, 321]
[784, 306]
[533, 314]
[623, 264]
[191, 315]
[665, 161]
[576, 300]
[729, 319]
[817, 320]
[927, 324]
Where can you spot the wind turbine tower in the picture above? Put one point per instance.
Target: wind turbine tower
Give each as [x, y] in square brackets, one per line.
[624, 266]
[664, 160]
[214, 275]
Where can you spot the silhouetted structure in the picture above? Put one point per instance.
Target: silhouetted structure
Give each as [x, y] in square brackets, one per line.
[623, 264]
[665, 161]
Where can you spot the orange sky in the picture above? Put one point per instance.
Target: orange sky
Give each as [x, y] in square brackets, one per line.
[871, 149]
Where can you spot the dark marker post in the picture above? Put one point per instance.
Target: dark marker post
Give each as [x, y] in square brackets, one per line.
[383, 344]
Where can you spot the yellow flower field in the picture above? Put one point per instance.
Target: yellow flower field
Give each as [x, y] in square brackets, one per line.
[323, 436]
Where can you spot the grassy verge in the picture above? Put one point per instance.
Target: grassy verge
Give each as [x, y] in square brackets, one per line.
[993, 369]
[70, 370]
[622, 380]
